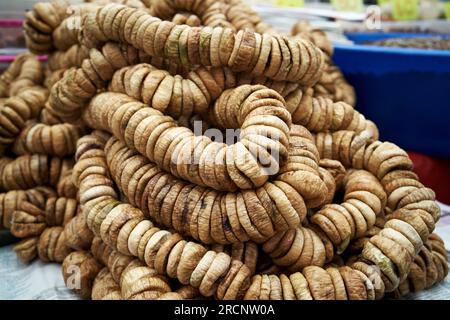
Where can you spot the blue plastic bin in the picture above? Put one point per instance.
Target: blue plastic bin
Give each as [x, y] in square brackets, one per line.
[406, 92]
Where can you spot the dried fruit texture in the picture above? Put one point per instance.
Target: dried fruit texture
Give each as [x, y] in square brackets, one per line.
[207, 12]
[263, 137]
[412, 241]
[333, 85]
[77, 234]
[336, 170]
[358, 286]
[54, 25]
[105, 287]
[51, 246]
[316, 35]
[242, 16]
[428, 268]
[173, 95]
[235, 50]
[313, 283]
[37, 216]
[181, 97]
[319, 114]
[169, 254]
[29, 171]
[248, 214]
[72, 57]
[137, 282]
[51, 77]
[78, 85]
[123, 227]
[31, 219]
[410, 205]
[55, 140]
[246, 252]
[9, 202]
[25, 71]
[79, 270]
[65, 186]
[151, 197]
[16, 110]
[191, 20]
[364, 198]
[26, 249]
[295, 249]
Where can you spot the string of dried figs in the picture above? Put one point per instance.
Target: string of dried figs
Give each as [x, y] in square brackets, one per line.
[351, 133]
[16, 110]
[65, 59]
[79, 85]
[77, 234]
[135, 280]
[242, 17]
[405, 226]
[178, 96]
[123, 227]
[25, 71]
[364, 198]
[104, 287]
[11, 201]
[243, 163]
[38, 216]
[53, 25]
[429, 267]
[28, 171]
[297, 248]
[49, 246]
[55, 140]
[241, 10]
[247, 252]
[332, 83]
[232, 210]
[294, 249]
[209, 12]
[117, 281]
[235, 14]
[247, 214]
[164, 39]
[186, 18]
[30, 220]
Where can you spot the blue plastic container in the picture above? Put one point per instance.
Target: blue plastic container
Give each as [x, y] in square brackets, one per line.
[406, 92]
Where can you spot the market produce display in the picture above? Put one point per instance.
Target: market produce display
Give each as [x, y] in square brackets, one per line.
[435, 43]
[108, 165]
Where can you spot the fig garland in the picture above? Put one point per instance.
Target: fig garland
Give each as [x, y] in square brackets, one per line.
[258, 218]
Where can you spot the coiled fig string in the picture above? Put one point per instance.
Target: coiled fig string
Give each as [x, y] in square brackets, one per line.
[243, 164]
[56, 140]
[363, 200]
[24, 72]
[148, 84]
[183, 257]
[29, 171]
[234, 50]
